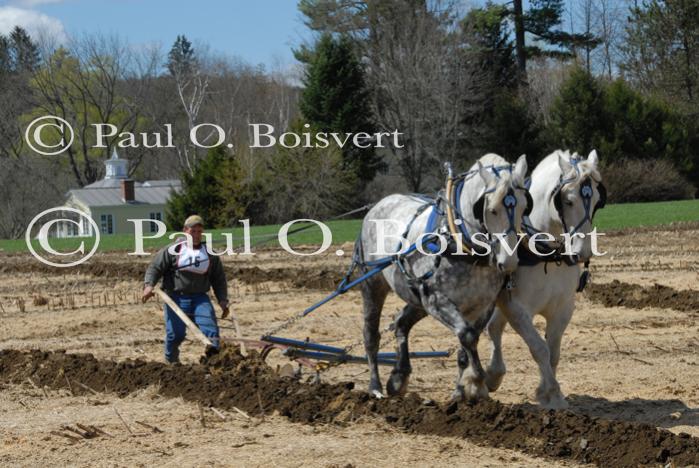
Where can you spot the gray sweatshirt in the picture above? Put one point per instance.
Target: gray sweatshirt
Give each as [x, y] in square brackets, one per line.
[185, 278]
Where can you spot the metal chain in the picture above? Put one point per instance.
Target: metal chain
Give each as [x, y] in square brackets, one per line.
[284, 325]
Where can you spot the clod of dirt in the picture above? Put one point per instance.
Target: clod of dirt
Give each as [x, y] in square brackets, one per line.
[636, 296]
[230, 380]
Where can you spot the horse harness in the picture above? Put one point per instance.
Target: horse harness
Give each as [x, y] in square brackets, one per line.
[445, 216]
[554, 254]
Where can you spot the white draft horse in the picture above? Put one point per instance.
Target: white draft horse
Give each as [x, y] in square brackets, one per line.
[567, 191]
[454, 289]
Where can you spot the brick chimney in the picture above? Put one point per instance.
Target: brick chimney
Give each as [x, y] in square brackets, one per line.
[127, 190]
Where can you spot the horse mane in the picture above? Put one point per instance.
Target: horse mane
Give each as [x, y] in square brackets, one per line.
[548, 170]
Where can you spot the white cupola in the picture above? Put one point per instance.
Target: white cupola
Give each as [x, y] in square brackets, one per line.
[116, 168]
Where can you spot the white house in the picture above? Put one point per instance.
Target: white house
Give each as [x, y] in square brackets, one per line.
[110, 202]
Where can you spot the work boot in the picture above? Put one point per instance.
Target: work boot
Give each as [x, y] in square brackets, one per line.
[173, 359]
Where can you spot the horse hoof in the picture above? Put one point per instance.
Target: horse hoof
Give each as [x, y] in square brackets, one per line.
[552, 399]
[377, 394]
[458, 395]
[475, 391]
[554, 403]
[397, 384]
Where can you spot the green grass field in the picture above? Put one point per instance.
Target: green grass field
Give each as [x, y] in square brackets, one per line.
[611, 218]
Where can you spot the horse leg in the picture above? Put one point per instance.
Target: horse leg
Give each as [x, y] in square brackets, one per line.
[459, 393]
[548, 394]
[374, 292]
[470, 364]
[496, 369]
[441, 308]
[555, 327]
[398, 381]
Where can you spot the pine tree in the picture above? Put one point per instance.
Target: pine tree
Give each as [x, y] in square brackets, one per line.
[181, 58]
[200, 193]
[486, 32]
[336, 99]
[577, 115]
[25, 51]
[5, 55]
[542, 21]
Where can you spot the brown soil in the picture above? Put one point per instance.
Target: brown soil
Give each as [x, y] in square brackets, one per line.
[314, 278]
[636, 296]
[612, 294]
[230, 380]
[631, 361]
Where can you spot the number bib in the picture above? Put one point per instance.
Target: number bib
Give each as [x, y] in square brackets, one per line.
[193, 260]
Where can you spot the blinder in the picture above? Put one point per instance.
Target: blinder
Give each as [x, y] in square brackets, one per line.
[478, 209]
[530, 203]
[558, 202]
[602, 197]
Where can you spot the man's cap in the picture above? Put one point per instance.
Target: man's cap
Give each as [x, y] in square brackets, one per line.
[193, 221]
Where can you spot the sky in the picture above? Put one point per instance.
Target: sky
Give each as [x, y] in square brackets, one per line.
[258, 31]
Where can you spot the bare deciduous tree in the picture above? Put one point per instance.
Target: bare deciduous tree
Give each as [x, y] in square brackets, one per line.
[94, 79]
[420, 79]
[605, 20]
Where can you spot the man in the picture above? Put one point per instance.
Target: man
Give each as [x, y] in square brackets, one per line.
[187, 276]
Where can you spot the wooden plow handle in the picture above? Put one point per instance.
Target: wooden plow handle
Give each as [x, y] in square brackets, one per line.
[173, 305]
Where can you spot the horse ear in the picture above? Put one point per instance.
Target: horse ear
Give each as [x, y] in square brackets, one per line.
[593, 159]
[488, 178]
[530, 203]
[478, 209]
[520, 170]
[565, 165]
[602, 197]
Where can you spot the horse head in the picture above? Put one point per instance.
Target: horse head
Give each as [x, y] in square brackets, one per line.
[574, 198]
[500, 205]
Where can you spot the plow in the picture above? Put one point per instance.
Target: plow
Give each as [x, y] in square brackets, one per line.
[316, 356]
[307, 353]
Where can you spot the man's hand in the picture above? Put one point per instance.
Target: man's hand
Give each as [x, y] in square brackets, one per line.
[147, 293]
[224, 307]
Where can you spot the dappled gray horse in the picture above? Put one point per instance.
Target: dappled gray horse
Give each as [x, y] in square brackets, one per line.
[458, 290]
[567, 191]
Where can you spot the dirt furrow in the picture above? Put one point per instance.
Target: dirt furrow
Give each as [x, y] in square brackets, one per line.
[230, 380]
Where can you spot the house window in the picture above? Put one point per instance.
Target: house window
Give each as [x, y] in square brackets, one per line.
[72, 229]
[157, 216]
[106, 224]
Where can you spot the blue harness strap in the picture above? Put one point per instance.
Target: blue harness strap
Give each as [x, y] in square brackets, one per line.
[436, 212]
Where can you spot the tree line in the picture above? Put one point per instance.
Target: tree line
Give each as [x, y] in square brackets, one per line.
[620, 76]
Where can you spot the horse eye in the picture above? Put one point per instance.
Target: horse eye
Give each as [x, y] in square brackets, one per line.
[569, 203]
[493, 212]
